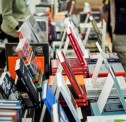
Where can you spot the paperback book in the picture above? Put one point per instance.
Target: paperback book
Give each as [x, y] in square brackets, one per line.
[27, 82]
[8, 88]
[49, 99]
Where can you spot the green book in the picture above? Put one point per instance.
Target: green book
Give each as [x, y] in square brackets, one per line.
[119, 120]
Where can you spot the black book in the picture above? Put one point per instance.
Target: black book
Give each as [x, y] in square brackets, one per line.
[8, 88]
[26, 81]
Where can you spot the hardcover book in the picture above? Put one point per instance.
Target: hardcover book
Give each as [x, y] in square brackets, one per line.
[27, 82]
[117, 68]
[79, 92]
[74, 64]
[94, 90]
[111, 57]
[71, 103]
[49, 99]
[8, 88]
[76, 47]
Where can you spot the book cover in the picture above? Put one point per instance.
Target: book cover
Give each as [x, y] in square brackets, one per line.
[58, 114]
[71, 103]
[49, 99]
[117, 68]
[8, 88]
[38, 49]
[25, 31]
[111, 57]
[43, 22]
[76, 46]
[71, 76]
[94, 90]
[26, 80]
[74, 64]
[47, 96]
[33, 25]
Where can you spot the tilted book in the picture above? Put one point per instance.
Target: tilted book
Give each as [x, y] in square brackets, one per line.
[49, 99]
[79, 92]
[35, 28]
[67, 96]
[25, 52]
[8, 87]
[25, 31]
[76, 47]
[27, 82]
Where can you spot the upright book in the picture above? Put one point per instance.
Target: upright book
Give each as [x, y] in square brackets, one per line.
[27, 82]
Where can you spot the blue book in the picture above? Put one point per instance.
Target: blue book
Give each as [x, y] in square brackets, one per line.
[49, 100]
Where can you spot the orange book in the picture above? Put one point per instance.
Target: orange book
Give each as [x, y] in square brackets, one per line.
[11, 65]
[79, 78]
[12, 62]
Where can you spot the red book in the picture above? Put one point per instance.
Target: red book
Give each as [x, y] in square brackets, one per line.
[79, 92]
[74, 65]
[75, 46]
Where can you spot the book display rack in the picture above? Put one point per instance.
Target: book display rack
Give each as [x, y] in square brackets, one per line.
[62, 79]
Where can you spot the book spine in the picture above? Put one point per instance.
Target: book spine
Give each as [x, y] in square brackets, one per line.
[70, 76]
[76, 47]
[21, 77]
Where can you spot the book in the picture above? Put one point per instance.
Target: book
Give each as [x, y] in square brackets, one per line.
[25, 52]
[41, 50]
[8, 87]
[14, 105]
[111, 57]
[79, 92]
[76, 47]
[70, 101]
[112, 118]
[9, 113]
[58, 114]
[25, 31]
[49, 99]
[74, 64]
[26, 80]
[117, 68]
[93, 90]
[33, 25]
[43, 22]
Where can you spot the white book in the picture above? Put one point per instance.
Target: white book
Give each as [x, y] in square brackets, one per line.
[112, 118]
[71, 103]
[94, 90]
